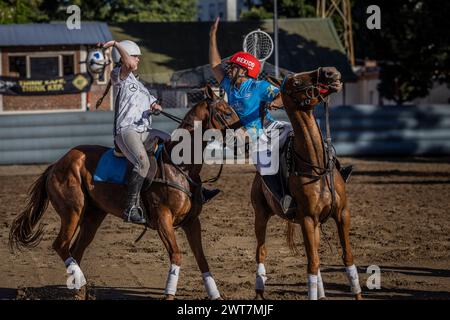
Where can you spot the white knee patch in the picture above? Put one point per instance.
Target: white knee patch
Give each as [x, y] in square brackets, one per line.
[261, 277]
[76, 278]
[352, 275]
[172, 279]
[320, 289]
[210, 286]
[312, 287]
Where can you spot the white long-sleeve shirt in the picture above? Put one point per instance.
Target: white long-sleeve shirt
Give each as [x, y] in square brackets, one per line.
[133, 101]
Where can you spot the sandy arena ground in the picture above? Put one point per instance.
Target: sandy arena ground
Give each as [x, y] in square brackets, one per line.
[400, 221]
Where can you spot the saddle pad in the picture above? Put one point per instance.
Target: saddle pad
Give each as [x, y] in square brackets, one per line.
[111, 169]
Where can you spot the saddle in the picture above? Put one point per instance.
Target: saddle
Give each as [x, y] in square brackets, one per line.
[113, 166]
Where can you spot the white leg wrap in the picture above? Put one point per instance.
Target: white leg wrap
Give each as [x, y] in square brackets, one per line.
[352, 275]
[312, 287]
[320, 289]
[76, 278]
[210, 286]
[172, 280]
[260, 277]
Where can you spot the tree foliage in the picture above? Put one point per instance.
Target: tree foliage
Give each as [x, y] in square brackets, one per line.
[286, 9]
[412, 45]
[23, 11]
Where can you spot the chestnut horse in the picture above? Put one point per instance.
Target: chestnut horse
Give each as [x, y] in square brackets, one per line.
[315, 184]
[80, 202]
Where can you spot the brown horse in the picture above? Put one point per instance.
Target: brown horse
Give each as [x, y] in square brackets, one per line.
[80, 202]
[310, 183]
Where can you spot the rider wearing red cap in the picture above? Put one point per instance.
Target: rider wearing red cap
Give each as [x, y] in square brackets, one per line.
[249, 96]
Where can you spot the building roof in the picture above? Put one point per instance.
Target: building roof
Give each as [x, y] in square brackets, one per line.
[38, 34]
[304, 44]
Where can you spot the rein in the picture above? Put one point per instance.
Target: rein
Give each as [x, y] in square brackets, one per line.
[213, 114]
[315, 91]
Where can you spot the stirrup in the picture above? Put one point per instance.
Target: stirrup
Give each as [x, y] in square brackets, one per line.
[286, 202]
[135, 214]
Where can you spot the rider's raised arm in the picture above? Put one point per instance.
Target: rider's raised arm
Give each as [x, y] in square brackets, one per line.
[214, 56]
[128, 64]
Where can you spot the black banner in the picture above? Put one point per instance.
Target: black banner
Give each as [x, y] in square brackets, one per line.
[76, 83]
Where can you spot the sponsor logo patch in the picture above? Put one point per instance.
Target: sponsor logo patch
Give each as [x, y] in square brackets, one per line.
[249, 63]
[133, 87]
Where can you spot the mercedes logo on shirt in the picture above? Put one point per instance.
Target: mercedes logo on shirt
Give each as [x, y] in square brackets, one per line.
[133, 87]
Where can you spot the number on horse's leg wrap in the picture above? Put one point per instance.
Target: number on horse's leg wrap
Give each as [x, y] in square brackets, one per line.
[352, 275]
[320, 289]
[76, 279]
[172, 280]
[210, 286]
[312, 287]
[260, 277]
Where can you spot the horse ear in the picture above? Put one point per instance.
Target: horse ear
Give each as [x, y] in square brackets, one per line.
[210, 93]
[274, 81]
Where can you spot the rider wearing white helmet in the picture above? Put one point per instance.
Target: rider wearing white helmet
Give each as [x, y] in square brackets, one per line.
[132, 120]
[132, 123]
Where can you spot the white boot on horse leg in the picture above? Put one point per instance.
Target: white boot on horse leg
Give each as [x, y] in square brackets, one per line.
[312, 286]
[76, 278]
[261, 279]
[352, 275]
[320, 288]
[210, 286]
[172, 282]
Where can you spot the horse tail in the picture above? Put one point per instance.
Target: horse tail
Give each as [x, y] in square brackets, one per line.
[290, 232]
[22, 233]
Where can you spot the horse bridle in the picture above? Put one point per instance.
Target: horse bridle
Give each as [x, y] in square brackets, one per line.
[213, 114]
[316, 91]
[312, 91]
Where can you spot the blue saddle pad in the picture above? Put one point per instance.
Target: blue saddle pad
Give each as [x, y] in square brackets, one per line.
[111, 169]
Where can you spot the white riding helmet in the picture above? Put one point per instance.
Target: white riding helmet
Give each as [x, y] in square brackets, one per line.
[96, 61]
[130, 47]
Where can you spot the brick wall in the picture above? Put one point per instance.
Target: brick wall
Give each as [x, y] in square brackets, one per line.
[51, 102]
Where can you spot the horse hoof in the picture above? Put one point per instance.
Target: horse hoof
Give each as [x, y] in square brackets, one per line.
[81, 294]
[169, 297]
[323, 298]
[358, 297]
[259, 295]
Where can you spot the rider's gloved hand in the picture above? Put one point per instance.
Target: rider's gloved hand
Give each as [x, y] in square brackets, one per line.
[156, 108]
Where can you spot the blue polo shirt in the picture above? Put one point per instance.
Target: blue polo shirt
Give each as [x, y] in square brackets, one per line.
[246, 101]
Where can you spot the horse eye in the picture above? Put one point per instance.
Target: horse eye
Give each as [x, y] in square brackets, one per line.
[297, 83]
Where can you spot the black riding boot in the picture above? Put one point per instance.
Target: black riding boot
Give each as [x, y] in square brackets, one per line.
[346, 172]
[134, 213]
[209, 194]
